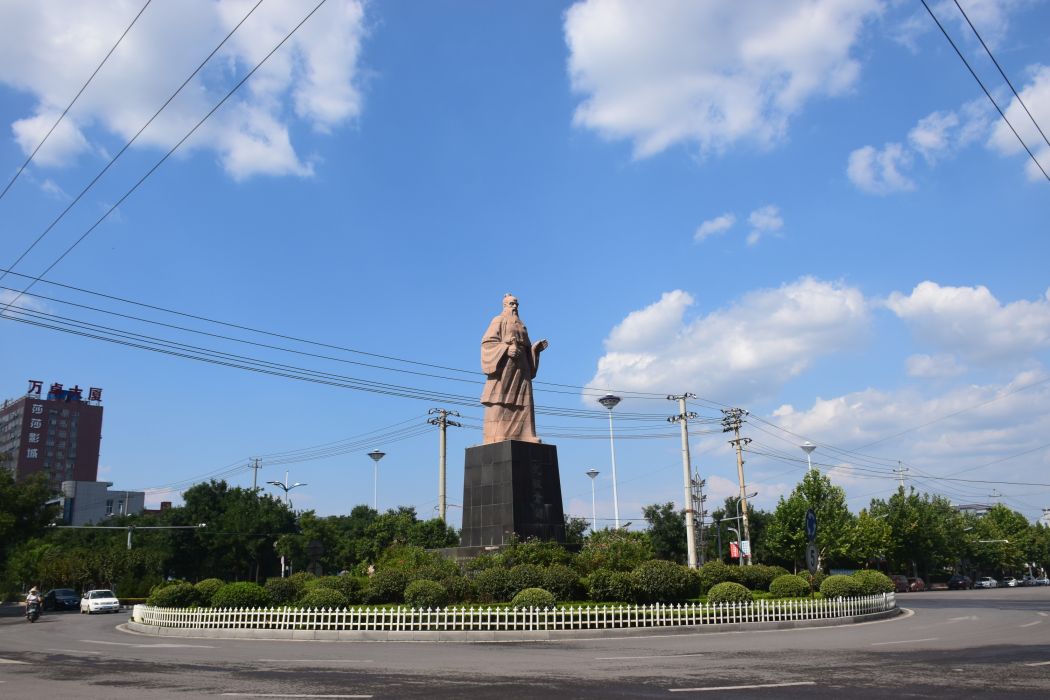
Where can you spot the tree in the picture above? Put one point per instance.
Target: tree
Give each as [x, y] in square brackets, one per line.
[666, 531]
[870, 539]
[23, 513]
[786, 534]
[926, 532]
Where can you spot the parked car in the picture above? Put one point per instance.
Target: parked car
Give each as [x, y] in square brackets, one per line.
[958, 582]
[1044, 581]
[986, 582]
[100, 600]
[1028, 580]
[916, 584]
[900, 583]
[61, 599]
[1011, 582]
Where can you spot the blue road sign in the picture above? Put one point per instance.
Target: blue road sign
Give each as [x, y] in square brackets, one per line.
[811, 525]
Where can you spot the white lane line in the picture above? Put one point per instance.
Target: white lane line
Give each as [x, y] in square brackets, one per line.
[1043, 614]
[1039, 663]
[288, 695]
[75, 651]
[317, 661]
[964, 617]
[148, 646]
[740, 687]
[906, 641]
[1032, 624]
[12, 661]
[651, 656]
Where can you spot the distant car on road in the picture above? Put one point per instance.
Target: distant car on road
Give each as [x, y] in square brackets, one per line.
[61, 599]
[1011, 582]
[986, 582]
[900, 583]
[1044, 581]
[958, 582]
[916, 584]
[101, 600]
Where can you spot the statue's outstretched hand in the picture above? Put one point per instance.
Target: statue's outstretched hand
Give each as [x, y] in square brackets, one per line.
[541, 345]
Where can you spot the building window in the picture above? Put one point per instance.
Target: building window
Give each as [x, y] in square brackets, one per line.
[109, 506]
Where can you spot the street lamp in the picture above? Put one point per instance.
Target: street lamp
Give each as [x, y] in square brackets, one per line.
[808, 448]
[376, 455]
[285, 487]
[610, 401]
[592, 472]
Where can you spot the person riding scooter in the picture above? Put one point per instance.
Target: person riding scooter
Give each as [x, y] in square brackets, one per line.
[33, 604]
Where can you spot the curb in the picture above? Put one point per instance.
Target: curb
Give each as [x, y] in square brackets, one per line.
[462, 636]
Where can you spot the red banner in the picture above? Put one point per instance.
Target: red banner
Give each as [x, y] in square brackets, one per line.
[734, 550]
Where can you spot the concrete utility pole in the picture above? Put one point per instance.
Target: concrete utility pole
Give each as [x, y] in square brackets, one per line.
[255, 472]
[442, 422]
[733, 419]
[690, 523]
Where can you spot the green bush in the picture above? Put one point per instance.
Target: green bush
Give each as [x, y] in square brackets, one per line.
[839, 586]
[533, 598]
[525, 576]
[660, 581]
[300, 579]
[729, 592]
[423, 593]
[562, 581]
[321, 597]
[758, 576]
[283, 591]
[473, 567]
[535, 551]
[789, 586]
[181, 595]
[386, 586]
[348, 585]
[494, 585]
[207, 589]
[615, 550]
[460, 589]
[714, 572]
[242, 594]
[873, 582]
[814, 579]
[607, 586]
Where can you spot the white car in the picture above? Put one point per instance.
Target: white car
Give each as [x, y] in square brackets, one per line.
[986, 582]
[1011, 582]
[100, 600]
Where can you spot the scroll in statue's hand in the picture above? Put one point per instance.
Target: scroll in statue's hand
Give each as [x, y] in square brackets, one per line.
[541, 345]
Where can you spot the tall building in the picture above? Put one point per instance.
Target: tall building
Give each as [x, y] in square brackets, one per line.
[57, 434]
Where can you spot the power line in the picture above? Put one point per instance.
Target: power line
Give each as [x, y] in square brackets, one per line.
[74, 100]
[988, 94]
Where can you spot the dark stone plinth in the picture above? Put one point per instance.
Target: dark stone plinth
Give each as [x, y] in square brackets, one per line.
[511, 488]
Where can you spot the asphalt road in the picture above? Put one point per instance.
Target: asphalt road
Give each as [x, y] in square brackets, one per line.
[957, 644]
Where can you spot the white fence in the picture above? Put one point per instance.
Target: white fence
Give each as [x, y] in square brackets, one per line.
[504, 618]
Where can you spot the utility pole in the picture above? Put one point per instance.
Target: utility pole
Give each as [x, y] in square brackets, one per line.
[701, 513]
[732, 420]
[900, 471]
[255, 472]
[687, 484]
[442, 422]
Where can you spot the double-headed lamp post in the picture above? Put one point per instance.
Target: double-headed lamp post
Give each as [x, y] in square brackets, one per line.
[285, 487]
[610, 401]
[593, 473]
[808, 448]
[376, 455]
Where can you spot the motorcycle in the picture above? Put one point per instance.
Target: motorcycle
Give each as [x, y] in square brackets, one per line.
[33, 611]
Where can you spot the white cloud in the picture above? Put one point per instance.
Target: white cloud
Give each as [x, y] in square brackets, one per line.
[711, 227]
[747, 350]
[934, 366]
[764, 220]
[48, 49]
[970, 321]
[931, 136]
[879, 172]
[1036, 95]
[712, 74]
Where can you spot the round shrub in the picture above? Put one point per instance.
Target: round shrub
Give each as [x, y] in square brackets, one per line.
[729, 592]
[608, 586]
[533, 598]
[715, 572]
[873, 582]
[242, 594]
[459, 589]
[660, 581]
[789, 586]
[181, 595]
[494, 585]
[525, 576]
[536, 551]
[423, 593]
[840, 586]
[616, 550]
[348, 585]
[207, 589]
[562, 581]
[320, 597]
[300, 578]
[757, 577]
[282, 591]
[386, 586]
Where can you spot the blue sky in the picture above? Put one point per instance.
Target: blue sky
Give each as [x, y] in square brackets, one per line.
[807, 210]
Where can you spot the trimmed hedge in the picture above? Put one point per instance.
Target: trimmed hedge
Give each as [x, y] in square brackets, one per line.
[562, 581]
[321, 597]
[660, 581]
[207, 588]
[840, 586]
[349, 586]
[387, 586]
[873, 582]
[242, 594]
[533, 598]
[715, 572]
[283, 591]
[729, 592]
[423, 593]
[607, 586]
[494, 585]
[525, 576]
[459, 589]
[789, 586]
[179, 595]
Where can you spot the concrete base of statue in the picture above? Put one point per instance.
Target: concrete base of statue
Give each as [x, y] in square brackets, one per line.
[511, 488]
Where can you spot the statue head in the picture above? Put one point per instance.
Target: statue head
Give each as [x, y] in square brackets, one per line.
[510, 303]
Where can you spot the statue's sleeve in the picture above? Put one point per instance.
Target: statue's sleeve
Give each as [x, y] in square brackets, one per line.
[492, 347]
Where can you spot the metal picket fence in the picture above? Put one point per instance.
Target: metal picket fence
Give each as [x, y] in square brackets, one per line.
[475, 618]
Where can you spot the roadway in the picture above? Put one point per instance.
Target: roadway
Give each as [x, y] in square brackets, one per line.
[955, 644]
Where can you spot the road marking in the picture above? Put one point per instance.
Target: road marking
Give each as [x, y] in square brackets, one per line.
[1043, 614]
[1032, 624]
[906, 641]
[317, 661]
[289, 695]
[11, 661]
[740, 687]
[1039, 663]
[75, 651]
[651, 656]
[964, 617]
[148, 646]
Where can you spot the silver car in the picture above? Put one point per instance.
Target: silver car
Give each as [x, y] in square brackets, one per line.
[986, 582]
[99, 600]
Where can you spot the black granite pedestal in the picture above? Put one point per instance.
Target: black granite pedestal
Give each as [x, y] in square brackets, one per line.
[511, 488]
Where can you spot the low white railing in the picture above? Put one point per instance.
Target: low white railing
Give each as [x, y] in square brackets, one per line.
[468, 618]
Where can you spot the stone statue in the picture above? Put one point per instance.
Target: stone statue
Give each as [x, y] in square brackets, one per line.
[510, 360]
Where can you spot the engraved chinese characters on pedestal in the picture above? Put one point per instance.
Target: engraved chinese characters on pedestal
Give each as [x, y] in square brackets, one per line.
[510, 360]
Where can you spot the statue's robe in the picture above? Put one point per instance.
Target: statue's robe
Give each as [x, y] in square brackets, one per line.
[509, 410]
